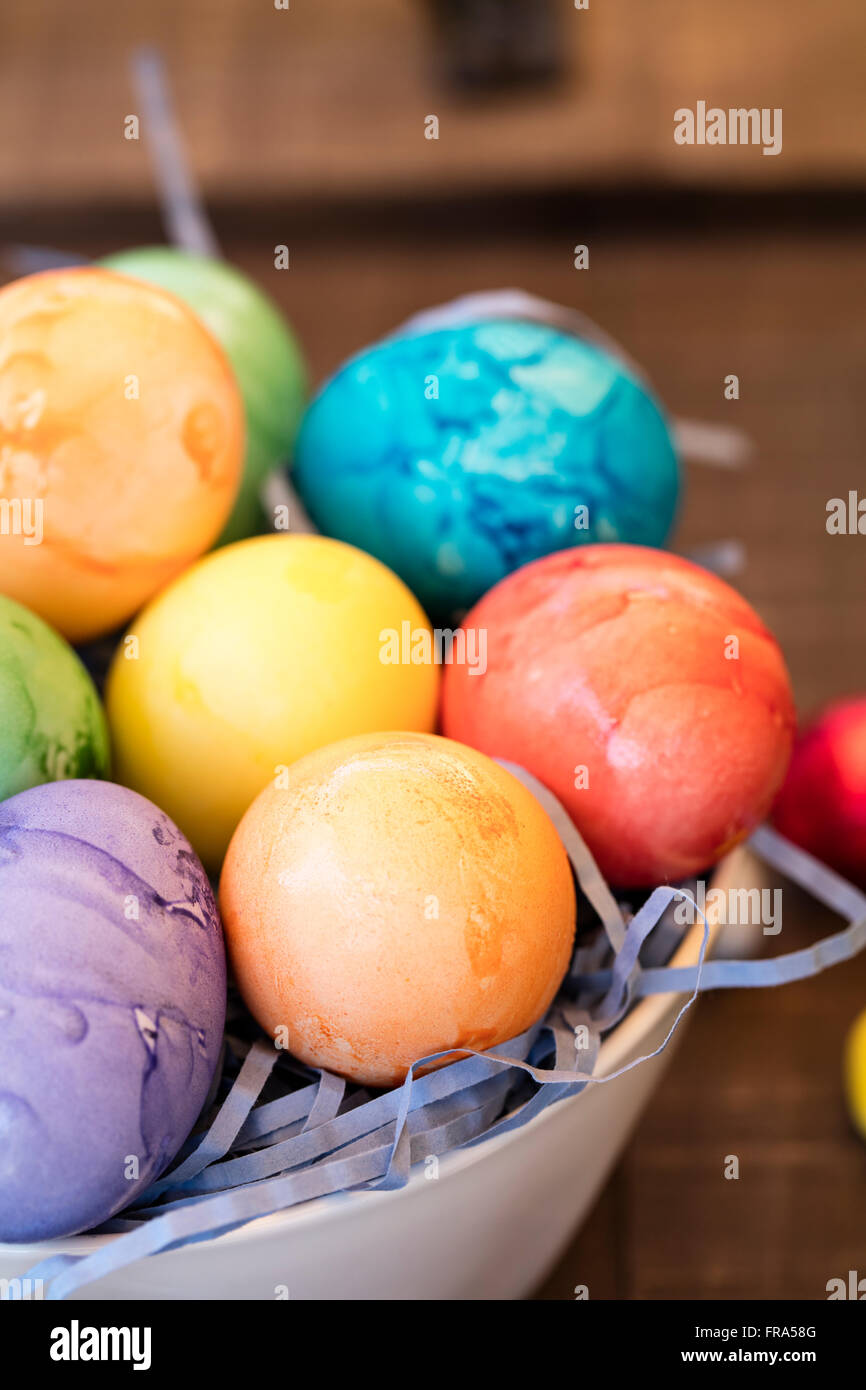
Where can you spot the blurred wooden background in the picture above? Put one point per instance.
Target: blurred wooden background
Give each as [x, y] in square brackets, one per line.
[306, 127]
[329, 97]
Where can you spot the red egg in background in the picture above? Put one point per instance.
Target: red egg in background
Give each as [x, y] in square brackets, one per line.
[822, 805]
[643, 691]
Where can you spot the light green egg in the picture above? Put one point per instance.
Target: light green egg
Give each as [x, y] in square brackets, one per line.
[52, 725]
[264, 354]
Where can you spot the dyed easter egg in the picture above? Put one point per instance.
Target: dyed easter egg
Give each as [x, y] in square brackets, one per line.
[257, 340]
[855, 1073]
[121, 441]
[112, 1003]
[397, 896]
[51, 721]
[261, 652]
[644, 692]
[459, 454]
[822, 805]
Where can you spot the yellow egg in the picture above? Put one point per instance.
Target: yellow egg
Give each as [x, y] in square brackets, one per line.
[855, 1073]
[259, 653]
[121, 445]
[398, 895]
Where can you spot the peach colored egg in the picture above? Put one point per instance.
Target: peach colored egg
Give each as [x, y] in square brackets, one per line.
[396, 895]
[121, 445]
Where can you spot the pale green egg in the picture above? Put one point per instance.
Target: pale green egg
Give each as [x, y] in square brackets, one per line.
[261, 348]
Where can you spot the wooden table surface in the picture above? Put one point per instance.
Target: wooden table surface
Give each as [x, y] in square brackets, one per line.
[779, 302]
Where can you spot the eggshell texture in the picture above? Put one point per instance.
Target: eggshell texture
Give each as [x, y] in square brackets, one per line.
[52, 725]
[822, 805]
[112, 1002]
[265, 356]
[263, 651]
[121, 424]
[457, 455]
[611, 676]
[401, 896]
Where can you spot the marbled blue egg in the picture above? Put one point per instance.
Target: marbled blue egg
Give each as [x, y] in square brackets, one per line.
[112, 1002]
[457, 455]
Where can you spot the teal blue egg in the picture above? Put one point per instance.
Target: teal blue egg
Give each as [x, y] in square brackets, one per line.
[459, 454]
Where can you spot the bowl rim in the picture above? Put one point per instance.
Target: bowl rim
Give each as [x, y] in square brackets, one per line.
[623, 1042]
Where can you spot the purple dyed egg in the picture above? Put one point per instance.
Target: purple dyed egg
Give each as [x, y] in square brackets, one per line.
[112, 1002]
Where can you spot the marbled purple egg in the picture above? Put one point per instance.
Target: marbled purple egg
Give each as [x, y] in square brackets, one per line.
[112, 1002]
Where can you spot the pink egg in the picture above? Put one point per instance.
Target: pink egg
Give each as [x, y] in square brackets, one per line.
[822, 805]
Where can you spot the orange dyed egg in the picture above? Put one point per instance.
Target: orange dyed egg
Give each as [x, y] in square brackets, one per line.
[396, 895]
[121, 444]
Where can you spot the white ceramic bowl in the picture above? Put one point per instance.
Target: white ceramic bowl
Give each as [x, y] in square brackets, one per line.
[488, 1227]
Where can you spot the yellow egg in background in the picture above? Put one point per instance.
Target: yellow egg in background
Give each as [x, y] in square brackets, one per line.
[121, 444]
[400, 895]
[855, 1073]
[259, 653]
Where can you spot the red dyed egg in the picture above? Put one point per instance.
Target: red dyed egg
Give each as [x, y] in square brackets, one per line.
[643, 691]
[822, 805]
